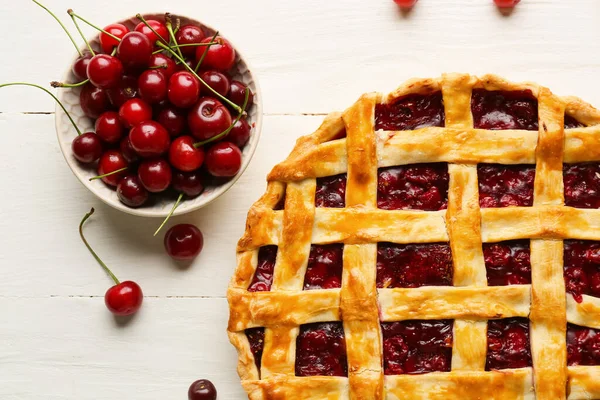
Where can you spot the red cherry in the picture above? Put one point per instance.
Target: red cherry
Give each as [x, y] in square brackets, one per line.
[184, 242]
[224, 159]
[134, 112]
[109, 127]
[208, 118]
[135, 50]
[80, 66]
[237, 94]
[153, 86]
[220, 56]
[173, 119]
[202, 389]
[406, 3]
[131, 192]
[104, 71]
[124, 299]
[126, 89]
[161, 60]
[149, 139]
[155, 175]
[216, 80]
[127, 150]
[108, 43]
[240, 133]
[188, 183]
[506, 3]
[184, 156]
[184, 89]
[111, 161]
[189, 34]
[87, 148]
[93, 101]
[158, 27]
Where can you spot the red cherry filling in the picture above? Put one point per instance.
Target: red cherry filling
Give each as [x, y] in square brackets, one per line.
[583, 345]
[498, 110]
[411, 112]
[582, 268]
[256, 337]
[325, 265]
[505, 185]
[582, 185]
[507, 263]
[417, 347]
[263, 277]
[508, 344]
[331, 191]
[280, 204]
[321, 350]
[413, 265]
[413, 187]
[571, 123]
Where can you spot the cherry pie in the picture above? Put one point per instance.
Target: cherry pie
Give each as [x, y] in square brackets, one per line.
[439, 242]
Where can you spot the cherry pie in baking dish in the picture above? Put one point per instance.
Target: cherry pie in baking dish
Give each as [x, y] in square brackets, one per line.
[438, 242]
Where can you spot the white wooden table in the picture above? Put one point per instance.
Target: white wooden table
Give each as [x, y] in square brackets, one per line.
[57, 340]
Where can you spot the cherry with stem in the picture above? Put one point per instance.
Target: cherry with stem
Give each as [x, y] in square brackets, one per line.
[212, 41]
[141, 18]
[62, 25]
[72, 15]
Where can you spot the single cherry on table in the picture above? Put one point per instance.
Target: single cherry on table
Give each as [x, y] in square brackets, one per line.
[202, 389]
[183, 242]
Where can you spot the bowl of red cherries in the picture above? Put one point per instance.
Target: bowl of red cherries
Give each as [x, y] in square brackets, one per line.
[158, 114]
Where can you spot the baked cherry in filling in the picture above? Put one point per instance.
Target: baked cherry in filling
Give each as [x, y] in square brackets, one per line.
[508, 344]
[583, 345]
[413, 265]
[413, 187]
[325, 265]
[507, 263]
[263, 277]
[411, 112]
[321, 350]
[571, 123]
[497, 110]
[582, 185]
[256, 337]
[582, 268]
[331, 191]
[505, 185]
[417, 347]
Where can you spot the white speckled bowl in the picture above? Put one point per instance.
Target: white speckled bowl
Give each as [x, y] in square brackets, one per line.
[161, 205]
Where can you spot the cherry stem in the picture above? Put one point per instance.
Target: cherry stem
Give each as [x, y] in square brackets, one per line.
[169, 25]
[108, 174]
[226, 131]
[56, 84]
[226, 100]
[206, 51]
[62, 25]
[73, 15]
[170, 213]
[50, 93]
[108, 271]
[139, 16]
[186, 45]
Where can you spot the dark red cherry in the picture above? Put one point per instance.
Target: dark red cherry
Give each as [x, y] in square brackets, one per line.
[184, 156]
[208, 118]
[149, 139]
[80, 66]
[223, 159]
[240, 133]
[189, 34]
[188, 183]
[237, 94]
[168, 66]
[135, 51]
[134, 112]
[184, 89]
[127, 150]
[216, 80]
[155, 175]
[131, 192]
[126, 89]
[93, 101]
[158, 27]
[152, 85]
[173, 119]
[124, 299]
[202, 389]
[220, 56]
[111, 161]
[87, 148]
[184, 242]
[104, 71]
[109, 127]
[108, 43]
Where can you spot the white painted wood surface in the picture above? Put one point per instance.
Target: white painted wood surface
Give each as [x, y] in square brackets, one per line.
[57, 341]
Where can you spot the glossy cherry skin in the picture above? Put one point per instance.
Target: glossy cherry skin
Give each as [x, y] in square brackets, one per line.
[108, 43]
[152, 85]
[124, 299]
[208, 118]
[506, 3]
[104, 71]
[135, 50]
[219, 56]
[131, 192]
[109, 127]
[110, 161]
[87, 147]
[240, 133]
[158, 27]
[93, 101]
[149, 139]
[405, 3]
[184, 242]
[216, 80]
[127, 150]
[80, 66]
[126, 89]
[237, 94]
[202, 389]
[134, 112]
[184, 89]
[168, 66]
[184, 156]
[155, 175]
[189, 34]
[188, 183]
[173, 119]
[224, 159]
